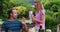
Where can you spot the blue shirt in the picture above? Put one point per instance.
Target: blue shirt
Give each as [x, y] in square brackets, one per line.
[13, 26]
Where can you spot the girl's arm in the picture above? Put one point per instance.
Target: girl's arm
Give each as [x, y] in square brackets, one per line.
[35, 20]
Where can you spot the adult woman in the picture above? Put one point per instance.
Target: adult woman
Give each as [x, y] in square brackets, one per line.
[40, 16]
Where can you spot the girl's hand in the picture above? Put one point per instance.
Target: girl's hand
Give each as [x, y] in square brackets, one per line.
[32, 16]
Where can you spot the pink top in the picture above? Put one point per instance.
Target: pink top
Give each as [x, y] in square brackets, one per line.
[38, 17]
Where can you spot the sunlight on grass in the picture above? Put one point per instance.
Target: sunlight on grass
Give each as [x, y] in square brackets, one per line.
[27, 21]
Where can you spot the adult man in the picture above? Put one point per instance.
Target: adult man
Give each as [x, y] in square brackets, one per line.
[13, 25]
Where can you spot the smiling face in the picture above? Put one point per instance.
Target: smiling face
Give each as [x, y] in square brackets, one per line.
[14, 14]
[36, 6]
